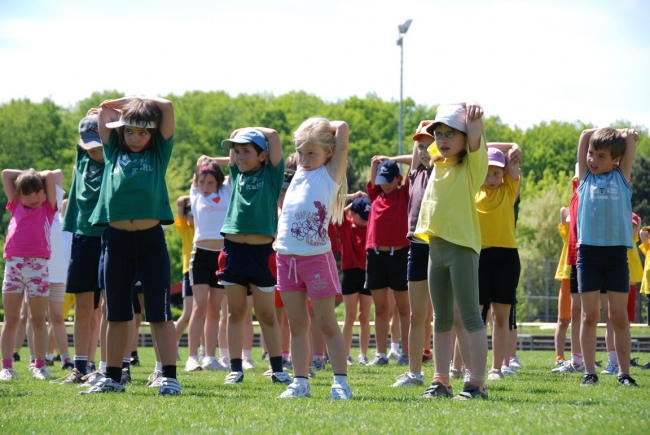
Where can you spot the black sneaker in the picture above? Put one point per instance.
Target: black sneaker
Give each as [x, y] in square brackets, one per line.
[68, 365]
[646, 367]
[16, 357]
[49, 362]
[589, 380]
[135, 361]
[625, 380]
[57, 358]
[634, 362]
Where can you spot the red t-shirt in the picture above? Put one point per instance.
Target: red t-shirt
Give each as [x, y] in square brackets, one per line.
[334, 238]
[353, 245]
[572, 242]
[388, 221]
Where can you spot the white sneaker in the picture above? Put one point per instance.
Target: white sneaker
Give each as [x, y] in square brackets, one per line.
[169, 387]
[41, 373]
[408, 379]
[610, 369]
[495, 375]
[340, 391]
[349, 360]
[393, 354]
[234, 378]
[514, 363]
[296, 389]
[467, 376]
[508, 371]
[281, 378]
[91, 379]
[248, 364]
[224, 361]
[105, 385]
[8, 375]
[211, 364]
[192, 365]
[569, 367]
[318, 364]
[362, 360]
[153, 378]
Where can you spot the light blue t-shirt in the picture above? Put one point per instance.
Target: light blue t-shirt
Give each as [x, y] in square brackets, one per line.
[605, 210]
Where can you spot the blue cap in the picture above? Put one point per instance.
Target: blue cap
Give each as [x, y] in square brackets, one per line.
[247, 135]
[89, 132]
[386, 172]
[361, 206]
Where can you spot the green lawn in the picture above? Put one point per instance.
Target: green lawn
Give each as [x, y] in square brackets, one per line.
[536, 401]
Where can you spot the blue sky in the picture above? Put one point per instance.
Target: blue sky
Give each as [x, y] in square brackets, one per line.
[526, 61]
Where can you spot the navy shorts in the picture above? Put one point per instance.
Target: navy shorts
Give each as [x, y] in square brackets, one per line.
[244, 264]
[498, 276]
[137, 309]
[100, 271]
[354, 281]
[386, 269]
[603, 267]
[84, 264]
[204, 265]
[131, 256]
[418, 262]
[187, 288]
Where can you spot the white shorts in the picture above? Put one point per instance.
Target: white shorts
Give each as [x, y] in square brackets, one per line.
[26, 274]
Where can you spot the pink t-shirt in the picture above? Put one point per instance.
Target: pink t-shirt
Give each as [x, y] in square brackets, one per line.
[29, 230]
[388, 221]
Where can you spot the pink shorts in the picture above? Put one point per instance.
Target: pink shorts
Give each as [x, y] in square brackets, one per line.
[26, 274]
[315, 273]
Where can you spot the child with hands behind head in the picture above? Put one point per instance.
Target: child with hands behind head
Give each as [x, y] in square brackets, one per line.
[31, 197]
[305, 263]
[386, 250]
[257, 176]
[448, 222]
[137, 136]
[499, 266]
[605, 159]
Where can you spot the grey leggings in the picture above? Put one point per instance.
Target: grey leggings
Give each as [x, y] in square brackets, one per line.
[453, 274]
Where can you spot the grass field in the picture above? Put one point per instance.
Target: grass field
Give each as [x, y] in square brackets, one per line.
[535, 401]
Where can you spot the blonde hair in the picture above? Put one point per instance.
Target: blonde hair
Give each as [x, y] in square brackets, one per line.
[319, 131]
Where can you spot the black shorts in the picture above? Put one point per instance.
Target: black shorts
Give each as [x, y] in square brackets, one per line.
[498, 276]
[187, 288]
[354, 281]
[83, 268]
[204, 265]
[603, 268]
[418, 262]
[513, 316]
[137, 309]
[100, 271]
[244, 264]
[131, 256]
[98, 297]
[386, 269]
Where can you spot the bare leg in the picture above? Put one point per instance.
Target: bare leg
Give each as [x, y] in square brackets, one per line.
[365, 302]
[295, 304]
[247, 343]
[350, 302]
[590, 316]
[37, 310]
[382, 314]
[12, 303]
[403, 309]
[21, 328]
[418, 294]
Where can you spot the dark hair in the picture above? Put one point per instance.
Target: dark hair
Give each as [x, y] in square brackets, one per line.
[608, 139]
[187, 208]
[212, 169]
[29, 181]
[140, 112]
[255, 146]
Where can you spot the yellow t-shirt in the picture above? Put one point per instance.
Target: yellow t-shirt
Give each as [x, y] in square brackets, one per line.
[645, 285]
[496, 214]
[634, 261]
[449, 206]
[187, 236]
[563, 270]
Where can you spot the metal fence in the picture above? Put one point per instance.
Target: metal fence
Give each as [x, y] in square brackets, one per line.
[538, 291]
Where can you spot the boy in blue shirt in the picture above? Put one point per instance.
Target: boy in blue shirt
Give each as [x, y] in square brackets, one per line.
[605, 159]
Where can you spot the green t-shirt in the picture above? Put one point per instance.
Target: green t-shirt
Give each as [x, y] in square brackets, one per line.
[134, 184]
[84, 194]
[253, 206]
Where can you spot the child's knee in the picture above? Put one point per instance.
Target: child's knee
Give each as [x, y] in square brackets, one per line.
[364, 318]
[237, 314]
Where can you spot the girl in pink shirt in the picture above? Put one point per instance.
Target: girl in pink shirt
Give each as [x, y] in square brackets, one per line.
[32, 202]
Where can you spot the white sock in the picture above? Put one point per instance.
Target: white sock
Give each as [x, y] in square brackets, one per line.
[341, 379]
[49, 356]
[246, 353]
[302, 381]
[381, 354]
[158, 366]
[394, 346]
[207, 359]
[202, 349]
[223, 352]
[613, 358]
[102, 366]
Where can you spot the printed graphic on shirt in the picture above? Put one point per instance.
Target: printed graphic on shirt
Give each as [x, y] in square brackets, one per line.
[605, 191]
[311, 226]
[131, 167]
[94, 174]
[250, 183]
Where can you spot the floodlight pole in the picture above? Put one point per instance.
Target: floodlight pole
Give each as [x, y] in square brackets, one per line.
[402, 28]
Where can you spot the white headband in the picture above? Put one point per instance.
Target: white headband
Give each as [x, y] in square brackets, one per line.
[130, 123]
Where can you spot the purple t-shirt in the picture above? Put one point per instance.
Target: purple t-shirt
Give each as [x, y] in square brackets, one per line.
[29, 230]
[418, 179]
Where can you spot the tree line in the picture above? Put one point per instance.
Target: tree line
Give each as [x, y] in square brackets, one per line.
[43, 135]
